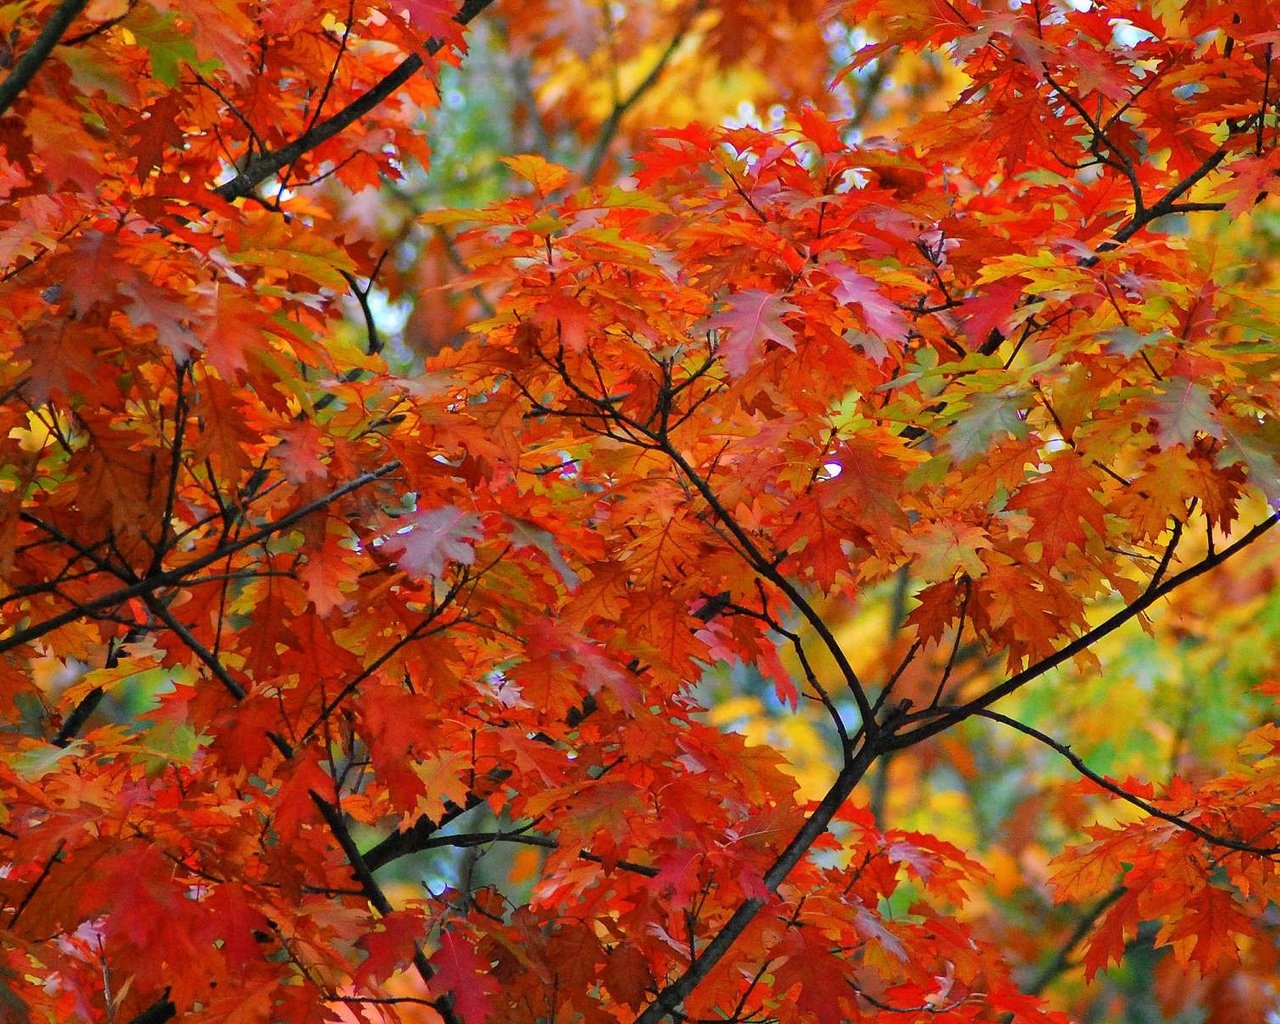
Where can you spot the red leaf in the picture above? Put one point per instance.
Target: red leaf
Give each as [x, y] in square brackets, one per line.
[990, 311]
[462, 975]
[750, 319]
[388, 948]
[882, 316]
[626, 975]
[1061, 504]
[1204, 929]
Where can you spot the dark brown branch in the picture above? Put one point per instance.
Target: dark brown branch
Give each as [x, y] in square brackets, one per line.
[374, 344]
[667, 1002]
[464, 840]
[40, 880]
[1168, 203]
[769, 571]
[99, 28]
[1117, 790]
[408, 840]
[169, 577]
[955, 645]
[29, 63]
[258, 168]
[1062, 958]
[923, 1008]
[940, 719]
[180, 409]
[374, 894]
[641, 436]
[378, 1000]
[1171, 548]
[74, 722]
[206, 656]
[606, 132]
[158, 1012]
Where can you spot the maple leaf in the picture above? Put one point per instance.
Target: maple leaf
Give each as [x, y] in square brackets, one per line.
[750, 319]
[299, 452]
[388, 948]
[324, 574]
[570, 319]
[461, 976]
[823, 990]
[989, 415]
[1027, 359]
[1112, 933]
[990, 310]
[443, 780]
[626, 975]
[1252, 179]
[268, 242]
[882, 316]
[1061, 503]
[525, 534]
[1182, 409]
[434, 538]
[1205, 928]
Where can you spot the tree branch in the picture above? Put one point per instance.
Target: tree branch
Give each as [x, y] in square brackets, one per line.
[257, 169]
[1062, 957]
[152, 583]
[667, 1002]
[158, 1012]
[206, 656]
[373, 892]
[1147, 807]
[463, 840]
[29, 63]
[943, 718]
[1168, 203]
[605, 134]
[770, 572]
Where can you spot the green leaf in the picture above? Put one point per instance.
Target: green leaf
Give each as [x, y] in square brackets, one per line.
[988, 416]
[166, 44]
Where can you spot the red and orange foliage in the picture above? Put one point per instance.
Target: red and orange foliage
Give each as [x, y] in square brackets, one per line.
[285, 621]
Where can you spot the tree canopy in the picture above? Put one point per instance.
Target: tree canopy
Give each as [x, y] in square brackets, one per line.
[667, 511]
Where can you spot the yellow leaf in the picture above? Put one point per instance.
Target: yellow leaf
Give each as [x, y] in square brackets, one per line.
[545, 177]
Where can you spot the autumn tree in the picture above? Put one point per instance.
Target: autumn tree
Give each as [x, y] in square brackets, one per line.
[399, 570]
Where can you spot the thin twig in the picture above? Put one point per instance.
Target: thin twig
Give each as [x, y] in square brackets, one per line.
[376, 897]
[606, 132]
[666, 1003]
[152, 583]
[1117, 790]
[35, 886]
[1062, 958]
[940, 719]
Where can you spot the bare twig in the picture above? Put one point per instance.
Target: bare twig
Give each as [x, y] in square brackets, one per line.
[376, 897]
[1117, 790]
[606, 132]
[667, 1002]
[150, 584]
